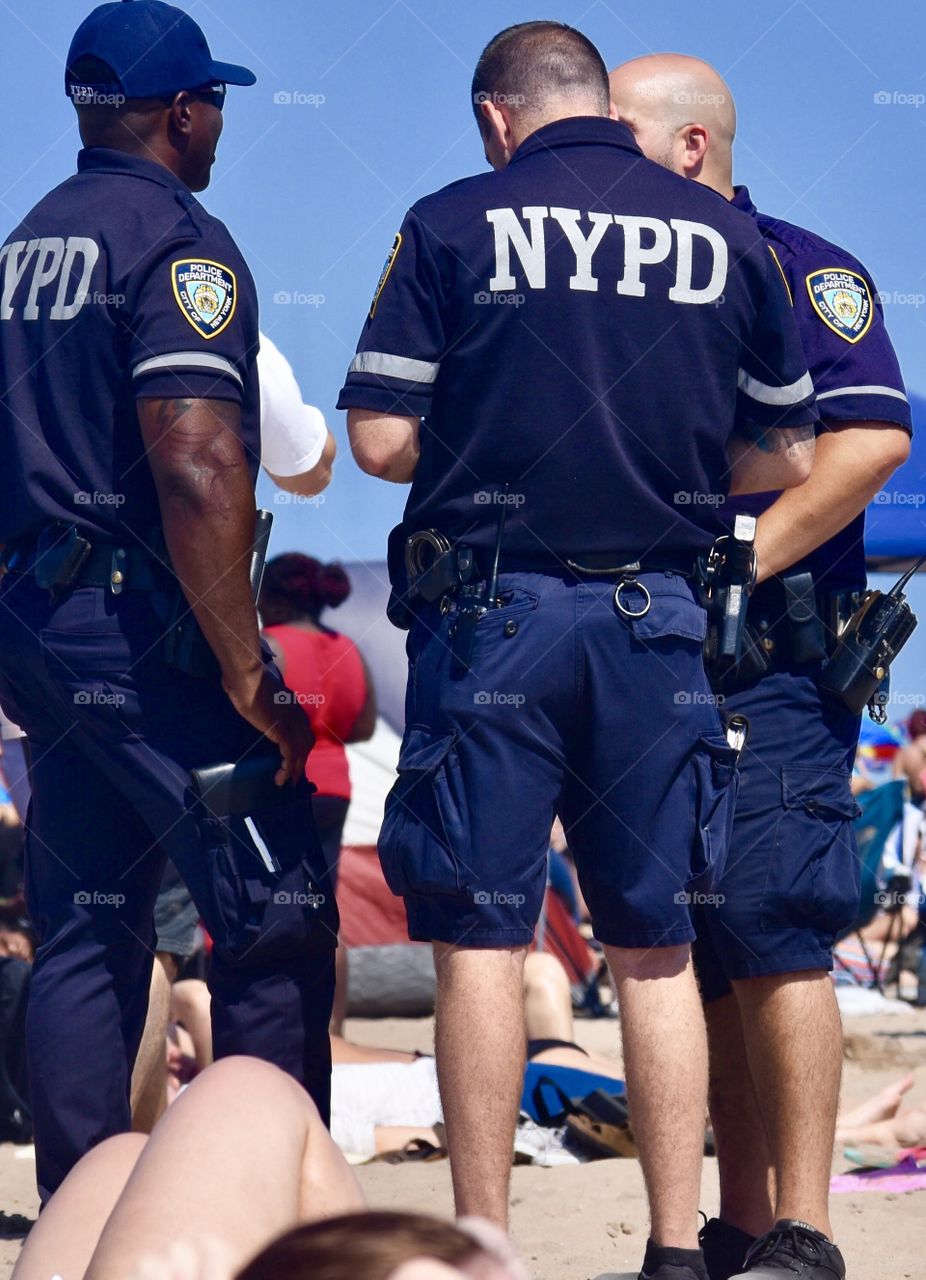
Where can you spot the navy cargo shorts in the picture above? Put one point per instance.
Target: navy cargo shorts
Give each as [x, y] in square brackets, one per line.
[570, 707]
[791, 882]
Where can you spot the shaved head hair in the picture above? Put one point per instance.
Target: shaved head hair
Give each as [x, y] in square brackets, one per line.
[663, 93]
[534, 66]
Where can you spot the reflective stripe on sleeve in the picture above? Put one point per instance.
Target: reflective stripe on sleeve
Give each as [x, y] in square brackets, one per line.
[389, 366]
[863, 391]
[794, 393]
[188, 360]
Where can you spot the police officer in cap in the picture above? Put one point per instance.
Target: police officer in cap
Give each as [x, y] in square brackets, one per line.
[765, 947]
[571, 359]
[129, 447]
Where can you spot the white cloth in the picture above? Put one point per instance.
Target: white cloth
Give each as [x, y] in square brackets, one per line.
[366, 1095]
[292, 434]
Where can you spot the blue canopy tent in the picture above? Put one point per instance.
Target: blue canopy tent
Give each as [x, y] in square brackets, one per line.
[896, 520]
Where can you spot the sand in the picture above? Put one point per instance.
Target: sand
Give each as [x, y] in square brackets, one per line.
[589, 1222]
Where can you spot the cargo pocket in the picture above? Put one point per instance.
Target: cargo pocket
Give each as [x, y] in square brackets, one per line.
[671, 614]
[425, 838]
[812, 881]
[715, 786]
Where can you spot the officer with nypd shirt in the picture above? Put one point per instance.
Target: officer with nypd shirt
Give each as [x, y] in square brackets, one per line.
[544, 361]
[791, 883]
[129, 447]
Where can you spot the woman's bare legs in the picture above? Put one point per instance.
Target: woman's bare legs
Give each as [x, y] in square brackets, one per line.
[239, 1158]
[547, 1000]
[66, 1234]
[190, 1004]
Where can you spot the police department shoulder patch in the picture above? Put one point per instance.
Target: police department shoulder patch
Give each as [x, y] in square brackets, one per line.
[387, 267]
[842, 300]
[206, 293]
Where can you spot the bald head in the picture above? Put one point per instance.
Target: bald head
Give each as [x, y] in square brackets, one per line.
[682, 113]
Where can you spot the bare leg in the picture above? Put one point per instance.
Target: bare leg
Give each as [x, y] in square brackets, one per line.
[547, 1002]
[149, 1077]
[393, 1137]
[190, 1005]
[63, 1240]
[480, 1067]
[745, 1164]
[339, 1009]
[882, 1106]
[345, 1051]
[665, 1056]
[793, 1037]
[286, 1170]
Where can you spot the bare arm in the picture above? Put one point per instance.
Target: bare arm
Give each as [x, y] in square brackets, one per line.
[364, 726]
[383, 445]
[207, 509]
[765, 461]
[311, 482]
[852, 464]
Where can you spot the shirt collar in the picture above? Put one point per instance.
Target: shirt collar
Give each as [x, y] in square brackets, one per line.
[576, 131]
[108, 160]
[743, 200]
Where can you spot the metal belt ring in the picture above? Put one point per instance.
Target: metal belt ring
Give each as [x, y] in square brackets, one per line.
[623, 585]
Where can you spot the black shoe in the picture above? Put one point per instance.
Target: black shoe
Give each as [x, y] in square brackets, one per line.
[793, 1248]
[672, 1264]
[16, 1126]
[725, 1248]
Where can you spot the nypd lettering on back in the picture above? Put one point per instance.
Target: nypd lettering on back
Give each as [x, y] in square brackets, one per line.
[58, 272]
[647, 242]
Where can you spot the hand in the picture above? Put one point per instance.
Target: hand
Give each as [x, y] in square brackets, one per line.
[265, 702]
[8, 815]
[15, 945]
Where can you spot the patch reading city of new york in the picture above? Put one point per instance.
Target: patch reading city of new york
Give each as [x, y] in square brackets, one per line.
[842, 301]
[206, 293]
[384, 274]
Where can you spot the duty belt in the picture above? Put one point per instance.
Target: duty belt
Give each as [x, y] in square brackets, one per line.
[61, 558]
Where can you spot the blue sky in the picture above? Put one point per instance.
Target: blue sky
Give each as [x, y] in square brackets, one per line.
[314, 188]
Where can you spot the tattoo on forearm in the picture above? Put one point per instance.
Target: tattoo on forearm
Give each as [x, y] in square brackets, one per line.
[789, 440]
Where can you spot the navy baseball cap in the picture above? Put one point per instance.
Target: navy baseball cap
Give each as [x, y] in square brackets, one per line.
[154, 49]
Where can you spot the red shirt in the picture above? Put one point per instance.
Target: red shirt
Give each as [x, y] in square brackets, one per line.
[325, 672]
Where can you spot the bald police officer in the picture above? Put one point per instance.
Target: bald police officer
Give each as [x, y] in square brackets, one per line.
[545, 361]
[129, 446]
[791, 884]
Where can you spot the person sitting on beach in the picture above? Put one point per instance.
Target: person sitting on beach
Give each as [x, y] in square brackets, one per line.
[225, 1191]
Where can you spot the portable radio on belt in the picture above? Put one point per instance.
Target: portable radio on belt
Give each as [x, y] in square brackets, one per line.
[475, 600]
[727, 578]
[872, 639]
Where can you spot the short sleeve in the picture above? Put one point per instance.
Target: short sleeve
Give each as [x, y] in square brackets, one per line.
[193, 321]
[399, 352]
[851, 359]
[775, 389]
[292, 434]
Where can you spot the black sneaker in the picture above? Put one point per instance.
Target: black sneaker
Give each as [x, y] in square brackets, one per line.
[793, 1248]
[725, 1248]
[672, 1264]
